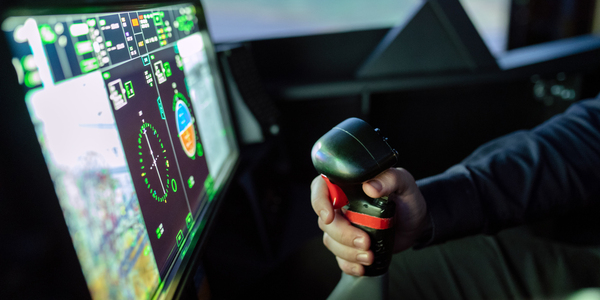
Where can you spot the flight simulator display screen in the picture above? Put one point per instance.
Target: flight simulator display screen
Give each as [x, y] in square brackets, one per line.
[133, 130]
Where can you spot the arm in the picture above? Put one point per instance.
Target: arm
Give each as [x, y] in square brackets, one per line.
[517, 178]
[520, 177]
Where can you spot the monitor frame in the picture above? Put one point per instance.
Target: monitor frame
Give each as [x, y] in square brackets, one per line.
[28, 148]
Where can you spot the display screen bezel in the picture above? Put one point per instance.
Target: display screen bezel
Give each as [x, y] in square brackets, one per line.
[180, 267]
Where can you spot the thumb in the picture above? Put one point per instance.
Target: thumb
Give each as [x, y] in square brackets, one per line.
[393, 180]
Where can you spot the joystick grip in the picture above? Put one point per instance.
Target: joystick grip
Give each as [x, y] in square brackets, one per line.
[376, 217]
[373, 216]
[346, 156]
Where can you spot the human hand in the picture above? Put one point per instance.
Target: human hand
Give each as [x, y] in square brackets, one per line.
[351, 245]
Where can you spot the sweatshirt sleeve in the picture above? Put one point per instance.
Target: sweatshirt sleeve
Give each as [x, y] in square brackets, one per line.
[520, 177]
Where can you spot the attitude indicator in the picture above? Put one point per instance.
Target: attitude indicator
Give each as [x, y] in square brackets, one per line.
[154, 165]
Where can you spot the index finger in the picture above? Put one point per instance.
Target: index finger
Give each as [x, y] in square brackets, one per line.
[319, 198]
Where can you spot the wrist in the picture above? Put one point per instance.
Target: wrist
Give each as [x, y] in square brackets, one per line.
[426, 236]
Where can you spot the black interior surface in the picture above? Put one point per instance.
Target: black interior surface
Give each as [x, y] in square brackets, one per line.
[265, 242]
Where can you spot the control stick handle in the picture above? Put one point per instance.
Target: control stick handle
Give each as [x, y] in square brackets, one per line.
[347, 155]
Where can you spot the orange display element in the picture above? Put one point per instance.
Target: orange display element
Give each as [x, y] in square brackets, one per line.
[185, 126]
[188, 140]
[135, 22]
[141, 17]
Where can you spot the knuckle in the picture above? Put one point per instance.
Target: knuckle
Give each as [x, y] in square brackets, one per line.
[349, 268]
[321, 225]
[326, 240]
[344, 264]
[347, 237]
[344, 237]
[314, 181]
[405, 175]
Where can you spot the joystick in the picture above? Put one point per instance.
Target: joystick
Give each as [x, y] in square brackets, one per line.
[346, 156]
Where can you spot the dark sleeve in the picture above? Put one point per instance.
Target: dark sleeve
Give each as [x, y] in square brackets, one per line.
[520, 177]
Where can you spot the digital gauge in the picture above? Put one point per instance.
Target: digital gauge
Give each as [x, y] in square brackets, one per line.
[154, 163]
[185, 125]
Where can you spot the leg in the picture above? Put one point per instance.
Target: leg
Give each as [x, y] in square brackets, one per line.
[514, 264]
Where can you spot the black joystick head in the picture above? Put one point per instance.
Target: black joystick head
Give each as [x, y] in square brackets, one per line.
[352, 152]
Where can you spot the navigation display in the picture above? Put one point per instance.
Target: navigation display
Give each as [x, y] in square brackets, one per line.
[134, 132]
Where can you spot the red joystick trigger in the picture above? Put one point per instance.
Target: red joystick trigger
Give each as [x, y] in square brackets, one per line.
[336, 196]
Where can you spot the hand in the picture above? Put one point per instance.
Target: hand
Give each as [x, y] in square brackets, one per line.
[350, 244]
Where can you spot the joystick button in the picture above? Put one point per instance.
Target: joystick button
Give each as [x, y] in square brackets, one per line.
[336, 196]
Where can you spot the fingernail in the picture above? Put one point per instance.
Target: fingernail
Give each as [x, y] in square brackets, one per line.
[355, 271]
[323, 215]
[363, 258]
[359, 242]
[376, 185]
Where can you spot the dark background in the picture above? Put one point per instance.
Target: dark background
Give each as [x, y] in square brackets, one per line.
[265, 241]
